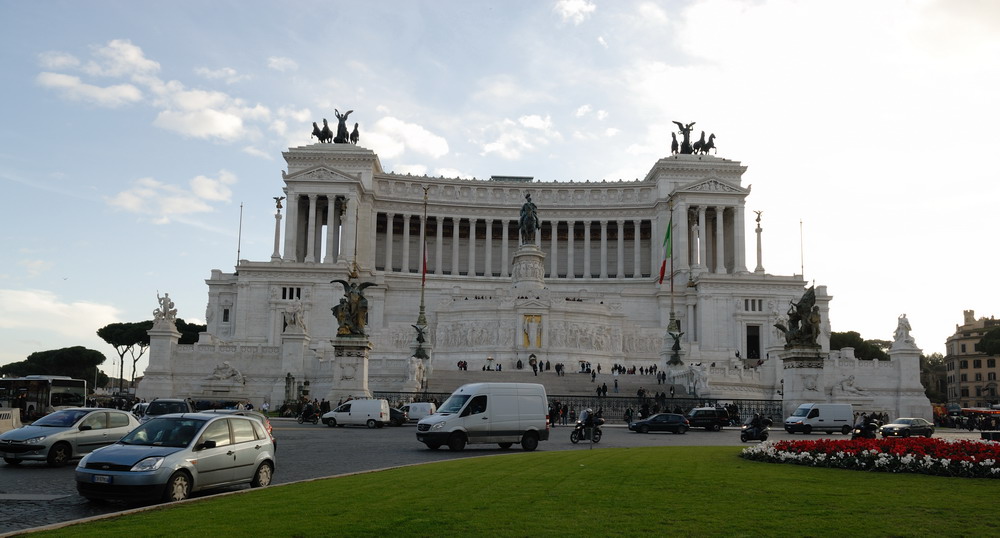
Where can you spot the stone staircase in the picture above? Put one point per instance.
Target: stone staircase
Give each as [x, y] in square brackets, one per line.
[571, 384]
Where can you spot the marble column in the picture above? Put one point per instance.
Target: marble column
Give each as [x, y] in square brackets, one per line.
[620, 270]
[488, 256]
[637, 246]
[389, 218]
[276, 255]
[405, 266]
[570, 249]
[438, 246]
[291, 227]
[586, 249]
[720, 240]
[554, 251]
[472, 247]
[311, 231]
[504, 245]
[702, 235]
[454, 246]
[604, 250]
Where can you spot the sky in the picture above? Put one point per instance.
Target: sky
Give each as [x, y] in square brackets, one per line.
[140, 141]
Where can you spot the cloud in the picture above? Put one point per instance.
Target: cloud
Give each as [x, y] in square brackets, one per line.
[76, 90]
[58, 60]
[256, 152]
[35, 267]
[414, 169]
[602, 42]
[282, 64]
[44, 310]
[390, 137]
[226, 74]
[575, 11]
[452, 172]
[120, 58]
[516, 138]
[163, 202]
[583, 111]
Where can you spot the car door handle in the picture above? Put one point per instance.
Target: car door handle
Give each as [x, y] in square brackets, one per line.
[230, 453]
[486, 418]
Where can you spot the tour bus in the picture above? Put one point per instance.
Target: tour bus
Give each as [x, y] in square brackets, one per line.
[39, 395]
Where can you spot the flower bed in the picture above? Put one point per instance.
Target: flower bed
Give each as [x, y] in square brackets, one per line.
[974, 459]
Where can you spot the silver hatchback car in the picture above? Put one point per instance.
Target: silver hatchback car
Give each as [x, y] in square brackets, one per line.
[59, 437]
[172, 456]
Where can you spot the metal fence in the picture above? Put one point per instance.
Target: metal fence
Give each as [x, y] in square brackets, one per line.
[614, 408]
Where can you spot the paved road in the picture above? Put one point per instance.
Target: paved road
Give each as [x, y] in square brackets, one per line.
[32, 494]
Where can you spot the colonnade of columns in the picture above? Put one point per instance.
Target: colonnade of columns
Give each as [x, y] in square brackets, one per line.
[313, 228]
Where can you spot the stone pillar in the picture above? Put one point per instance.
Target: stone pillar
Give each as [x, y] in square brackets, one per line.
[604, 250]
[586, 249]
[405, 268]
[760, 263]
[291, 227]
[554, 251]
[570, 249]
[350, 368]
[720, 240]
[331, 230]
[682, 253]
[472, 247]
[620, 269]
[637, 255]
[800, 362]
[349, 233]
[311, 231]
[504, 253]
[739, 237]
[438, 247]
[454, 246]
[528, 272]
[488, 257]
[702, 242]
[158, 377]
[389, 218]
[276, 255]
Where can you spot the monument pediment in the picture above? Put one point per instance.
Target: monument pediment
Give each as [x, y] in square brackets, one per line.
[713, 185]
[319, 173]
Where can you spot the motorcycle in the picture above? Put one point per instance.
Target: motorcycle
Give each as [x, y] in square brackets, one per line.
[583, 433]
[864, 431]
[750, 432]
[306, 416]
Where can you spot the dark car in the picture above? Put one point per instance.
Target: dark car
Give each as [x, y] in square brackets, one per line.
[397, 417]
[907, 427]
[662, 422]
[164, 406]
[710, 418]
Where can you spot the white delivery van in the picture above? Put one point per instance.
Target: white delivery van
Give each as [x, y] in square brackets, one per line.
[501, 413]
[418, 410]
[373, 413]
[824, 417]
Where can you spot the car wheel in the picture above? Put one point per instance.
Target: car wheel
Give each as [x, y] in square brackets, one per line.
[59, 454]
[807, 429]
[505, 446]
[716, 427]
[845, 430]
[643, 429]
[529, 442]
[682, 429]
[178, 487]
[743, 437]
[763, 436]
[12, 461]
[433, 446]
[262, 478]
[371, 424]
[331, 422]
[456, 443]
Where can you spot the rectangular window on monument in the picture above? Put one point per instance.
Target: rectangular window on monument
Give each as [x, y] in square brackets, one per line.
[753, 341]
[225, 315]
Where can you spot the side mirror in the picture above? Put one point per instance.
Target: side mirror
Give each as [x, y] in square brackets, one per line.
[206, 444]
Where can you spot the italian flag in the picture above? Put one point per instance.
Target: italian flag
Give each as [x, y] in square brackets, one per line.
[667, 247]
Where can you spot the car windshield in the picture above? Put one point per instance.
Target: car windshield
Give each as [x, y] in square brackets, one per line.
[175, 432]
[62, 419]
[904, 421]
[453, 404]
[801, 412]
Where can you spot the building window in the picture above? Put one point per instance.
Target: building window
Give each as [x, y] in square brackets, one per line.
[965, 393]
[991, 363]
[977, 363]
[290, 293]
[963, 348]
[965, 378]
[225, 315]
[963, 364]
[979, 377]
[991, 376]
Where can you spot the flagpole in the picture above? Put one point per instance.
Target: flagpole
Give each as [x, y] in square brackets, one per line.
[671, 326]
[422, 317]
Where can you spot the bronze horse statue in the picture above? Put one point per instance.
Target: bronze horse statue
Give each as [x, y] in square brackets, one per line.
[325, 135]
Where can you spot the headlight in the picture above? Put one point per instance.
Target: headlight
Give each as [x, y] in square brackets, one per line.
[148, 464]
[35, 440]
[437, 426]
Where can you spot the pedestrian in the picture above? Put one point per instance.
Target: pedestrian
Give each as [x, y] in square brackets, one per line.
[593, 376]
[616, 386]
[604, 389]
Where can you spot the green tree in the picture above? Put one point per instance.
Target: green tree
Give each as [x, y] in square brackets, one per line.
[127, 338]
[77, 362]
[863, 349]
[932, 374]
[189, 331]
[990, 342]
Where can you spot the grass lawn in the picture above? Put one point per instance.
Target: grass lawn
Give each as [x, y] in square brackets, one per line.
[675, 491]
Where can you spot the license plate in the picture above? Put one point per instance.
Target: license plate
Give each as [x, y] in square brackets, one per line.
[101, 479]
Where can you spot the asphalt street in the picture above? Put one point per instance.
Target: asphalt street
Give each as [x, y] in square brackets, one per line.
[33, 495]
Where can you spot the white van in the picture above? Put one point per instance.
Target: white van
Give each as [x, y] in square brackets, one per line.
[418, 410]
[369, 412]
[502, 413]
[825, 417]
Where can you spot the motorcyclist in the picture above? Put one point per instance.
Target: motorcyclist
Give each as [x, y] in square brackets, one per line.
[587, 418]
[308, 411]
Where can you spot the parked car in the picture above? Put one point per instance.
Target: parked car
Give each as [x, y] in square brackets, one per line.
[139, 409]
[174, 455]
[266, 422]
[397, 417]
[61, 436]
[163, 406]
[661, 422]
[710, 418]
[906, 427]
